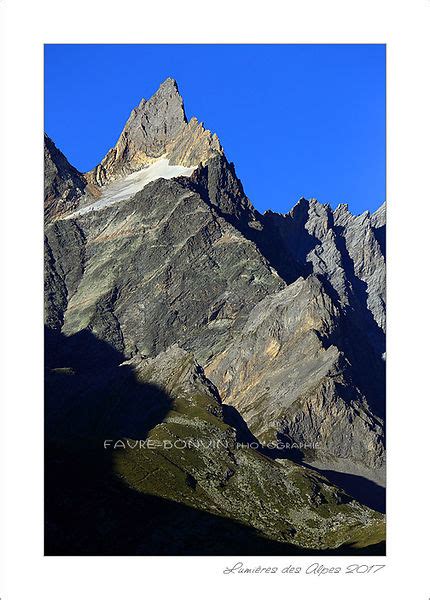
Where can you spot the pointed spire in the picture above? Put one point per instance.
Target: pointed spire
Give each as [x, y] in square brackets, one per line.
[157, 127]
[169, 84]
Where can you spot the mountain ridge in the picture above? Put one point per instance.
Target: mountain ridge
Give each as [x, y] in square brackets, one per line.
[283, 314]
[172, 118]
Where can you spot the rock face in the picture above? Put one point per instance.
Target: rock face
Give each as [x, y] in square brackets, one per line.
[157, 127]
[289, 380]
[64, 185]
[267, 328]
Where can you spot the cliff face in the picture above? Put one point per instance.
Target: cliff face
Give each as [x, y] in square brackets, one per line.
[159, 254]
[63, 184]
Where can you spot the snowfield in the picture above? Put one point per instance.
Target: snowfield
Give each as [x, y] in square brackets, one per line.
[133, 183]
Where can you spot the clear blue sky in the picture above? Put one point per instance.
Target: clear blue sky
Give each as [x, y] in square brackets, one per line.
[296, 120]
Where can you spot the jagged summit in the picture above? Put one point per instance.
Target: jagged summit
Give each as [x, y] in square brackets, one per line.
[340, 213]
[169, 85]
[167, 93]
[157, 128]
[158, 141]
[165, 108]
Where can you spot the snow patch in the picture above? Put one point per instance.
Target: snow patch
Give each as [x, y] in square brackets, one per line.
[133, 183]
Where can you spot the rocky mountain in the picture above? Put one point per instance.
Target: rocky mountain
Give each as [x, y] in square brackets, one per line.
[175, 311]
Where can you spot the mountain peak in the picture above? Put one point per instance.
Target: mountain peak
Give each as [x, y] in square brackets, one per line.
[157, 128]
[166, 104]
[300, 208]
[168, 87]
[169, 84]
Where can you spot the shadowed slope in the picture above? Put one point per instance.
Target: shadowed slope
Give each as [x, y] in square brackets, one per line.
[96, 494]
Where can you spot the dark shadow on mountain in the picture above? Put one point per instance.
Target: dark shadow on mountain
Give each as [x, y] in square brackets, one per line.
[367, 366]
[90, 396]
[243, 434]
[359, 289]
[288, 241]
[365, 491]
[380, 235]
[362, 489]
[92, 513]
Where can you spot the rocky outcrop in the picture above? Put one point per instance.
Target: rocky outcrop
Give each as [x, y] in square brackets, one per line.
[64, 265]
[157, 127]
[364, 245]
[64, 185]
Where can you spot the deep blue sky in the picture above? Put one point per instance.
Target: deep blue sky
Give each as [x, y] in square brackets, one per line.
[296, 120]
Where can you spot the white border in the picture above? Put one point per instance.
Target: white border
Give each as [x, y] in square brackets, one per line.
[25, 26]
